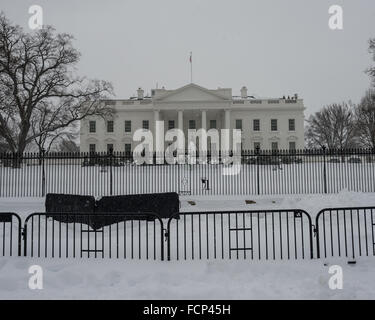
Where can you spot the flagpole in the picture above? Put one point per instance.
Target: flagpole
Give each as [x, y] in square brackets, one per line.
[191, 68]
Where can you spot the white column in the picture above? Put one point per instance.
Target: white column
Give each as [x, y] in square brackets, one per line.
[227, 119]
[156, 118]
[226, 137]
[181, 120]
[204, 127]
[159, 137]
[181, 137]
[156, 115]
[204, 119]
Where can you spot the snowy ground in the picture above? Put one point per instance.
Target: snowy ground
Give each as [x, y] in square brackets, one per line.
[310, 203]
[118, 279]
[126, 279]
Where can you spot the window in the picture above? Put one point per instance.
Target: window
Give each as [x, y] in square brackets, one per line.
[256, 125]
[273, 124]
[292, 124]
[109, 147]
[239, 124]
[256, 145]
[212, 124]
[275, 146]
[170, 124]
[292, 145]
[92, 126]
[128, 147]
[192, 124]
[110, 126]
[128, 126]
[92, 148]
[145, 124]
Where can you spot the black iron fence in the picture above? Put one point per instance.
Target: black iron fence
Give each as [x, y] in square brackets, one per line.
[257, 172]
[253, 235]
[345, 232]
[263, 234]
[10, 234]
[109, 235]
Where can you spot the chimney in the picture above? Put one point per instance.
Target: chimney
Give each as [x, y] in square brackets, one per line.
[296, 96]
[140, 93]
[243, 92]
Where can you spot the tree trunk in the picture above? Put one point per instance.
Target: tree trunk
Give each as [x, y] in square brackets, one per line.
[18, 155]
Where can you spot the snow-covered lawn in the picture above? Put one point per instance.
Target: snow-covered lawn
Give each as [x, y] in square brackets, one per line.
[310, 203]
[214, 279]
[71, 177]
[119, 279]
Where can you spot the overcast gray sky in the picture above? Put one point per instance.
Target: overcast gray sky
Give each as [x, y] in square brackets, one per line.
[274, 47]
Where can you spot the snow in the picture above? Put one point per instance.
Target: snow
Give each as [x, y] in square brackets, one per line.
[71, 177]
[83, 278]
[118, 279]
[312, 203]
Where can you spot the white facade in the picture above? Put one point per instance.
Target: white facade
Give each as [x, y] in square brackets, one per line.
[269, 123]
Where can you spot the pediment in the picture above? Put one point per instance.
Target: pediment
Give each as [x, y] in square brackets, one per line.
[292, 138]
[191, 92]
[274, 138]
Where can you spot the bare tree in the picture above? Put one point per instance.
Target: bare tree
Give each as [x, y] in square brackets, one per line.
[334, 126]
[365, 116]
[68, 144]
[45, 118]
[371, 70]
[3, 146]
[38, 83]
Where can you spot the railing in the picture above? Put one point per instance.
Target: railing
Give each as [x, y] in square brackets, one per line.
[255, 235]
[252, 235]
[260, 172]
[10, 234]
[347, 232]
[109, 235]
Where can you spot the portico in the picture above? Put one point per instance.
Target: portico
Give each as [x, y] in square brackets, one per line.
[193, 119]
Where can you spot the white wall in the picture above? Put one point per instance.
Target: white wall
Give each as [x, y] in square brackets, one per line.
[119, 137]
[265, 136]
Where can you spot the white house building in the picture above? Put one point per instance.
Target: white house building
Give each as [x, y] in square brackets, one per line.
[273, 123]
